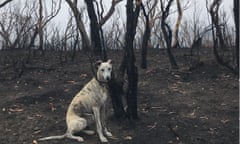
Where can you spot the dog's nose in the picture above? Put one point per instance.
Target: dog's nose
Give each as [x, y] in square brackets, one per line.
[108, 78]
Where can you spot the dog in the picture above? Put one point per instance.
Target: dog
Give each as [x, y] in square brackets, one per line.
[88, 106]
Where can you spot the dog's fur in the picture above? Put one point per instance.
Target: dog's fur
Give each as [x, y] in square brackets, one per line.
[89, 105]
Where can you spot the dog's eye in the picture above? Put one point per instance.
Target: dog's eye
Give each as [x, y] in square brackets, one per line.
[102, 70]
[109, 69]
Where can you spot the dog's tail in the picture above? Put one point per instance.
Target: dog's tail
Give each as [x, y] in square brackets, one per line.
[53, 137]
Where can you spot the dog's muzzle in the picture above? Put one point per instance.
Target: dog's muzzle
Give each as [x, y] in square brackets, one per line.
[108, 78]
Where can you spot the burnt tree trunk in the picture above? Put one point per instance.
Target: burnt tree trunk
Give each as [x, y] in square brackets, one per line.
[127, 66]
[179, 19]
[80, 25]
[31, 43]
[218, 35]
[167, 33]
[146, 37]
[95, 29]
[236, 18]
[132, 71]
[116, 91]
[76, 41]
[40, 26]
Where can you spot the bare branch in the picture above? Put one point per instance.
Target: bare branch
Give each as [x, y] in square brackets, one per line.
[4, 3]
[109, 13]
[53, 13]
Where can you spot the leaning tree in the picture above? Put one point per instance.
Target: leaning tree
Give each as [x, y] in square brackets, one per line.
[219, 43]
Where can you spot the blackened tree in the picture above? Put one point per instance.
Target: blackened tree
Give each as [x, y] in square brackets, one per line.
[218, 38]
[167, 32]
[236, 18]
[95, 31]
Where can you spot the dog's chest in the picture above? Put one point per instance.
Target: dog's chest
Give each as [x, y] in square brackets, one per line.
[94, 94]
[103, 94]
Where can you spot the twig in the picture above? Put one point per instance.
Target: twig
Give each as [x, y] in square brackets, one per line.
[174, 132]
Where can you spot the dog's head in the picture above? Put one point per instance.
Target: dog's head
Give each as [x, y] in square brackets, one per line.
[104, 70]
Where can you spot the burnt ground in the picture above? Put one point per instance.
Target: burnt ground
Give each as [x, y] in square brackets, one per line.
[197, 106]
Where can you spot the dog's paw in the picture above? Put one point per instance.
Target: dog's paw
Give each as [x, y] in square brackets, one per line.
[80, 139]
[103, 139]
[108, 134]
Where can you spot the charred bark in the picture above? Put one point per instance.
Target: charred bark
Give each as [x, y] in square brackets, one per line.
[32, 40]
[116, 91]
[176, 42]
[146, 37]
[95, 30]
[131, 68]
[76, 41]
[218, 36]
[40, 27]
[167, 33]
[236, 18]
[127, 66]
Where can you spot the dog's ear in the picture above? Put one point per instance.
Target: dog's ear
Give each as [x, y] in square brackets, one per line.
[98, 63]
[109, 61]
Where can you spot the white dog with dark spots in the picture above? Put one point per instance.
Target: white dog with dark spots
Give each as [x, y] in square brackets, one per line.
[88, 106]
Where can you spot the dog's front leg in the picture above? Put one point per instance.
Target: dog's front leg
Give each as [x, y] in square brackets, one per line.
[103, 120]
[96, 112]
